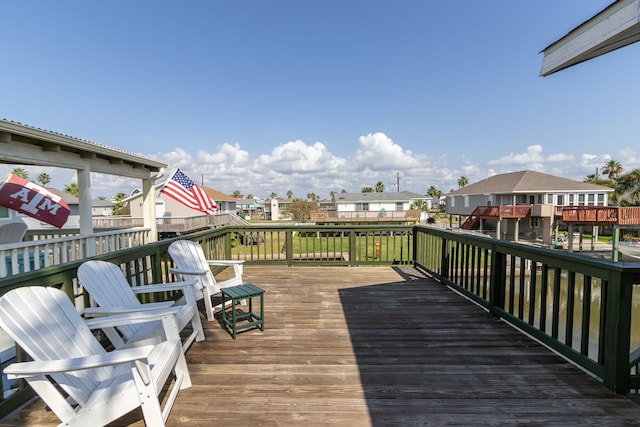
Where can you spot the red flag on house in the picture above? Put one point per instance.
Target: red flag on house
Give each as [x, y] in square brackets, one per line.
[181, 188]
[33, 200]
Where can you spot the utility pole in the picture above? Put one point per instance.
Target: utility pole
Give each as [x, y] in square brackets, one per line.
[398, 181]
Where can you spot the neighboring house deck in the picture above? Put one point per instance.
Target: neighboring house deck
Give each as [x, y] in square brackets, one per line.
[376, 346]
[365, 217]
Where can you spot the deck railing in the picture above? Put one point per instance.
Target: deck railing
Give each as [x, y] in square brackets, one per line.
[577, 305]
[47, 249]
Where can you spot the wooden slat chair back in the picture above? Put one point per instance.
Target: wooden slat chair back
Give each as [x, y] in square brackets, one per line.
[108, 286]
[191, 263]
[75, 376]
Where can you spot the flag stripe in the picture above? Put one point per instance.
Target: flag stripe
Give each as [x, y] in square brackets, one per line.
[182, 189]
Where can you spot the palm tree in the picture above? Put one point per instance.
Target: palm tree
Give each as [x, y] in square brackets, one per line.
[367, 190]
[44, 179]
[236, 194]
[273, 195]
[289, 194]
[462, 181]
[612, 169]
[629, 188]
[434, 192]
[379, 187]
[20, 172]
[72, 189]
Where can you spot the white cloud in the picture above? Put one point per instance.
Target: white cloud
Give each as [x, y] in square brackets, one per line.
[378, 152]
[533, 155]
[299, 157]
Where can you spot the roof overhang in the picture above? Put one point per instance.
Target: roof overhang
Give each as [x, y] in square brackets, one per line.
[616, 26]
[26, 145]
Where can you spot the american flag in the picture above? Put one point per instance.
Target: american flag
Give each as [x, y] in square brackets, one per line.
[181, 188]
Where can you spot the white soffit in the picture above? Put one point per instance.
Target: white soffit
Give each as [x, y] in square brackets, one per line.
[616, 26]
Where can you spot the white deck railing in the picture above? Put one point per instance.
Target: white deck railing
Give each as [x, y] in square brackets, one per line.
[45, 251]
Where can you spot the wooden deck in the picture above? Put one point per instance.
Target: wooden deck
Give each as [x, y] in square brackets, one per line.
[376, 346]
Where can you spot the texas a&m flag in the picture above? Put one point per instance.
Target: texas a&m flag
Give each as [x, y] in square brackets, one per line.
[33, 200]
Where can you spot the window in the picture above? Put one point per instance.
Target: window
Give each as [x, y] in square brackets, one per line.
[592, 199]
[399, 206]
[601, 199]
[572, 199]
[560, 200]
[580, 199]
[549, 199]
[466, 201]
[362, 206]
[4, 212]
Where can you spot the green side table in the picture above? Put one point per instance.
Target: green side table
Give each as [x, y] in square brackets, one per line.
[232, 321]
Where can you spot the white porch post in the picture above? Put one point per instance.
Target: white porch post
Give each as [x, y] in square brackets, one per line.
[149, 208]
[84, 200]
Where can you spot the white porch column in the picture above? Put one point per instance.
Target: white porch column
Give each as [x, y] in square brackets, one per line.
[149, 208]
[84, 200]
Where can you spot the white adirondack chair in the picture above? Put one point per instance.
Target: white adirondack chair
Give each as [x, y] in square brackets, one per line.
[191, 263]
[83, 384]
[109, 288]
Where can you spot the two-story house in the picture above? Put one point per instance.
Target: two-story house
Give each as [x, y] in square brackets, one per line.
[523, 204]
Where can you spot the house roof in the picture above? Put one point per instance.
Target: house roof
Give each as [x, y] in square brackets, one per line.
[378, 196]
[527, 182]
[27, 145]
[218, 196]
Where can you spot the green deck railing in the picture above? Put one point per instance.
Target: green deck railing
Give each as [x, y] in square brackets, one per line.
[579, 306]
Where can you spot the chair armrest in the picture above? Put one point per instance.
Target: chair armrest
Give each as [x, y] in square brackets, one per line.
[105, 311]
[188, 272]
[237, 264]
[227, 262]
[43, 367]
[138, 316]
[163, 287]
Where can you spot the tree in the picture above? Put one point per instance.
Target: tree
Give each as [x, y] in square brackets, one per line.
[612, 169]
[300, 210]
[312, 197]
[273, 195]
[72, 189]
[118, 203]
[434, 192]
[462, 181]
[289, 194]
[367, 190]
[236, 194]
[628, 188]
[20, 172]
[249, 196]
[379, 187]
[44, 179]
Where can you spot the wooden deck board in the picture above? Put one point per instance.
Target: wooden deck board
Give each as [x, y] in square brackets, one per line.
[376, 346]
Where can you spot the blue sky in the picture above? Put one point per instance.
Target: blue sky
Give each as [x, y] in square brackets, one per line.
[318, 96]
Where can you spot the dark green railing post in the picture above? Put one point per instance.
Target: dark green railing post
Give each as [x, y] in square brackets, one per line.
[288, 242]
[352, 248]
[617, 332]
[444, 258]
[498, 279]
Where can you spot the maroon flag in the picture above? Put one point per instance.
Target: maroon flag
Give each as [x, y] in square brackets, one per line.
[181, 188]
[33, 200]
